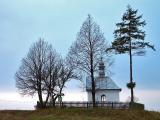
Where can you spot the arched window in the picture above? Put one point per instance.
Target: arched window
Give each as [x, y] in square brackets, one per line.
[103, 98]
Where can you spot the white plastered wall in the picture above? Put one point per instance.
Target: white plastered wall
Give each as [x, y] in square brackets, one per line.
[111, 95]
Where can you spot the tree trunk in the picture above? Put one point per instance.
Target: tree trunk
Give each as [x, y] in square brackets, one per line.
[93, 82]
[40, 99]
[93, 90]
[40, 92]
[53, 101]
[91, 63]
[131, 75]
[54, 97]
[46, 101]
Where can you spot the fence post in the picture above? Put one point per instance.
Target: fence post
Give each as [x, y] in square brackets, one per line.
[112, 105]
[62, 104]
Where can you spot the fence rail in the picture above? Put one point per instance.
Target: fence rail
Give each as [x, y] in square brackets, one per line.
[111, 105]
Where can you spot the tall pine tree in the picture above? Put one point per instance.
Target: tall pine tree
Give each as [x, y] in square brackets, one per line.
[129, 38]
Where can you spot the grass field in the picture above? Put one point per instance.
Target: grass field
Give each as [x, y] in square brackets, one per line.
[79, 114]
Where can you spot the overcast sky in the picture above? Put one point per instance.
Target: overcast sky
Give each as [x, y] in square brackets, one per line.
[23, 22]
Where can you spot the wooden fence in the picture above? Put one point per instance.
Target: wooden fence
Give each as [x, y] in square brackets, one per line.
[110, 105]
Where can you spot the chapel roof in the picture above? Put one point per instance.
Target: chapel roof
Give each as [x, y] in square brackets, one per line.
[104, 83]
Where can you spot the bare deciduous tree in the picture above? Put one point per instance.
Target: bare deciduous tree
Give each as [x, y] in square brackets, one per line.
[86, 52]
[66, 73]
[31, 74]
[43, 71]
[52, 73]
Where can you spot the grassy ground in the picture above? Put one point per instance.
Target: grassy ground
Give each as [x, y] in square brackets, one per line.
[79, 114]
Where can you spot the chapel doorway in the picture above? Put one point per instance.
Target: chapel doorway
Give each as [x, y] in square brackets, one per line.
[103, 98]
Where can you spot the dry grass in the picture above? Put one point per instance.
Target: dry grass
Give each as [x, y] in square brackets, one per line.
[79, 114]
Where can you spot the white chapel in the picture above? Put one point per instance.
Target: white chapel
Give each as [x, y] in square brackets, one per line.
[106, 89]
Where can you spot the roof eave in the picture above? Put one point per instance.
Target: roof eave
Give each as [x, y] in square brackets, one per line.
[105, 89]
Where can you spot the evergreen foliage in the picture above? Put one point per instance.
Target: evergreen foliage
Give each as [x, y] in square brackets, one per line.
[129, 38]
